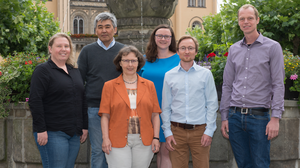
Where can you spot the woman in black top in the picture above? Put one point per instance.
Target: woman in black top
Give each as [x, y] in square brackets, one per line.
[58, 106]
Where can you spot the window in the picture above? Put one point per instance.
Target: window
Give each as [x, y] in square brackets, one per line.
[192, 3]
[196, 23]
[78, 25]
[201, 3]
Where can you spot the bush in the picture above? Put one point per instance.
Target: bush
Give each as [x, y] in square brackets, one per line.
[16, 71]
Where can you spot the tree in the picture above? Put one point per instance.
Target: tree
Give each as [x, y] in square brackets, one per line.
[25, 26]
[279, 20]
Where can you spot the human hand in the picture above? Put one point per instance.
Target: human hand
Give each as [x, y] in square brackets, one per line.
[206, 140]
[106, 146]
[155, 145]
[225, 129]
[272, 128]
[169, 140]
[42, 138]
[84, 135]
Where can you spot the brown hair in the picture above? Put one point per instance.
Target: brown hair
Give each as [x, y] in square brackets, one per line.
[246, 6]
[124, 52]
[151, 51]
[188, 37]
[71, 60]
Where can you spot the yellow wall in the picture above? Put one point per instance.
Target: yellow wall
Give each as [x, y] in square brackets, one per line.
[61, 10]
[184, 16]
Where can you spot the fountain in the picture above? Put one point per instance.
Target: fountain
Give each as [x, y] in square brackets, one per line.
[138, 18]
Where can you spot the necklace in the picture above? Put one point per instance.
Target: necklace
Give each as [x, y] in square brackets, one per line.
[129, 82]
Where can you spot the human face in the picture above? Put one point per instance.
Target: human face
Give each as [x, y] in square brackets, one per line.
[163, 43]
[60, 50]
[128, 66]
[187, 55]
[247, 21]
[105, 31]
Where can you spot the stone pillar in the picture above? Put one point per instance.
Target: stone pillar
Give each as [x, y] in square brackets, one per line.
[138, 18]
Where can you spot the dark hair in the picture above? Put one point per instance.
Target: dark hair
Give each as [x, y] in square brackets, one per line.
[124, 52]
[151, 51]
[188, 37]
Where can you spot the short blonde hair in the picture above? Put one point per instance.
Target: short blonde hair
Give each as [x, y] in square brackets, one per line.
[246, 6]
[188, 37]
[71, 60]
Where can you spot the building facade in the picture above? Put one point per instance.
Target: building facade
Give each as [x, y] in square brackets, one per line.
[77, 16]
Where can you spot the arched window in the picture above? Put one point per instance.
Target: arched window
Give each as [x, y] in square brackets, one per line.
[192, 3]
[201, 3]
[196, 23]
[78, 25]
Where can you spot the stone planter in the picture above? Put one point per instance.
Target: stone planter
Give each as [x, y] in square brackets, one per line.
[18, 149]
[17, 145]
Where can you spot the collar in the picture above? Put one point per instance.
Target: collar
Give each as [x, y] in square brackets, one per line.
[101, 44]
[54, 66]
[194, 67]
[260, 39]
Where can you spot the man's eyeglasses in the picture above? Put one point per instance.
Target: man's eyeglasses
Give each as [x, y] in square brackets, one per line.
[132, 61]
[184, 48]
[160, 36]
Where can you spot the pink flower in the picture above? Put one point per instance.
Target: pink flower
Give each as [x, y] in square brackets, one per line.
[0, 73]
[30, 62]
[27, 99]
[294, 77]
[226, 54]
[26, 62]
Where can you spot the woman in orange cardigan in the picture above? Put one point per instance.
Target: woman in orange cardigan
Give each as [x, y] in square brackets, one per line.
[130, 114]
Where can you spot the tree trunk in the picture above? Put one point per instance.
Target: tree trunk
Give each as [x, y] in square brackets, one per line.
[296, 42]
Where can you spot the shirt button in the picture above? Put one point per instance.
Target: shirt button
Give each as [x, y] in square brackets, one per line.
[248, 49]
[246, 68]
[244, 86]
[243, 96]
[243, 104]
[245, 77]
[246, 58]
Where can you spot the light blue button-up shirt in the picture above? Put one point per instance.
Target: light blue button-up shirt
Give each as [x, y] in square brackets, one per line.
[101, 44]
[189, 97]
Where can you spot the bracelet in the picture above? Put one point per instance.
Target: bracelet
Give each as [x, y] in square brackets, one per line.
[155, 138]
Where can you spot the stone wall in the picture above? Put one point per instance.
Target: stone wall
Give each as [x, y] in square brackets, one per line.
[18, 149]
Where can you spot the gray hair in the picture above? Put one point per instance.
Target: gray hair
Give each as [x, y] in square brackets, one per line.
[105, 16]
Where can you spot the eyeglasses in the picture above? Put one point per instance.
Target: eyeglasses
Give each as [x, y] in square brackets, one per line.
[160, 36]
[132, 61]
[184, 48]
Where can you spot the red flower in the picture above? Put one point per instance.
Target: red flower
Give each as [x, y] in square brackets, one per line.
[0, 73]
[26, 62]
[211, 55]
[226, 54]
[30, 62]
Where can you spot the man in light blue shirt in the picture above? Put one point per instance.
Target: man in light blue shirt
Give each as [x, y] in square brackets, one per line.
[189, 106]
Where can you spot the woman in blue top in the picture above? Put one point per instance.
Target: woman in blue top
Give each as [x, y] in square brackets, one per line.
[161, 57]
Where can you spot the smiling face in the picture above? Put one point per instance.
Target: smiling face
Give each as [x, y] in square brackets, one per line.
[60, 49]
[248, 21]
[129, 64]
[163, 43]
[187, 50]
[105, 31]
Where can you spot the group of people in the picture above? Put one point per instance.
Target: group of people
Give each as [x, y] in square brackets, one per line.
[133, 106]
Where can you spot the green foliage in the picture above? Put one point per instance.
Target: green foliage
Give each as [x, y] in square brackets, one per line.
[25, 26]
[217, 69]
[4, 96]
[16, 74]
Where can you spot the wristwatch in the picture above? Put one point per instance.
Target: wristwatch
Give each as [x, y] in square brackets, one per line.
[155, 138]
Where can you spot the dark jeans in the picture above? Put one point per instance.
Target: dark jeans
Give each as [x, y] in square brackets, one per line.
[60, 151]
[249, 142]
